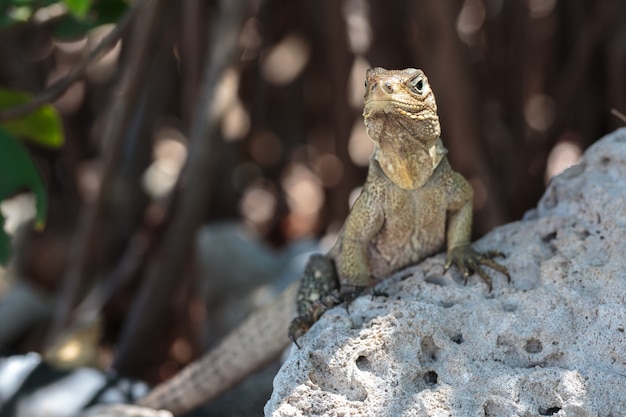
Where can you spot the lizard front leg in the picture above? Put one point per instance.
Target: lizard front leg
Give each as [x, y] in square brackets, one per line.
[317, 293]
[460, 251]
[343, 273]
[353, 269]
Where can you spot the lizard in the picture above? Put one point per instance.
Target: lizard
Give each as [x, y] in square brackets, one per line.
[411, 206]
[412, 202]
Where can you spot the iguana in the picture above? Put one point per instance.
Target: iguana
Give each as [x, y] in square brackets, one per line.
[412, 206]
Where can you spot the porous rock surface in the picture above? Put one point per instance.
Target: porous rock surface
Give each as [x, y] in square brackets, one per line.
[550, 343]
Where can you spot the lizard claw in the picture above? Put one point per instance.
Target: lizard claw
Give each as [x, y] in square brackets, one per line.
[379, 293]
[297, 328]
[469, 261]
[350, 292]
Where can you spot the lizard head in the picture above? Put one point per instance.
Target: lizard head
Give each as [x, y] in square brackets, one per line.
[402, 97]
[401, 118]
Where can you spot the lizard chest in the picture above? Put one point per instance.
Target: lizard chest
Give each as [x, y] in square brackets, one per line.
[414, 228]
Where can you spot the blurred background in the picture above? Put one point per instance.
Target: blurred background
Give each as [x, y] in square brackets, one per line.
[247, 117]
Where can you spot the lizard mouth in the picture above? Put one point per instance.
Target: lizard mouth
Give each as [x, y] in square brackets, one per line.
[405, 108]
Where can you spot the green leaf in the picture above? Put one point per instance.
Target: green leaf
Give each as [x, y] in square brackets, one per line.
[21, 13]
[42, 126]
[18, 11]
[7, 21]
[5, 243]
[18, 173]
[71, 27]
[78, 8]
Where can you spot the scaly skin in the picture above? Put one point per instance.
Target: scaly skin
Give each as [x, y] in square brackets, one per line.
[411, 206]
[412, 202]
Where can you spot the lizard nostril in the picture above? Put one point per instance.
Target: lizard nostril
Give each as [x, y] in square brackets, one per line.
[388, 87]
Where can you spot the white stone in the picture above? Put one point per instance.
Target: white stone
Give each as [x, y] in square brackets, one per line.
[551, 342]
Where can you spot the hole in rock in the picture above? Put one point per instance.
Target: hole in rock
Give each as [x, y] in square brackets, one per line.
[549, 411]
[363, 363]
[431, 377]
[549, 237]
[533, 346]
[429, 349]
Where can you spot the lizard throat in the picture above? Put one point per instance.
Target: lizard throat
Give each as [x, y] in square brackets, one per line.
[410, 171]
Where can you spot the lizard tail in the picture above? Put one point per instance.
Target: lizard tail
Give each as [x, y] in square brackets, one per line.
[253, 344]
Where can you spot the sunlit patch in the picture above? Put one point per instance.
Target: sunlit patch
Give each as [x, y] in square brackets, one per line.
[226, 93]
[102, 69]
[258, 204]
[355, 82]
[250, 39]
[73, 97]
[170, 154]
[20, 13]
[305, 198]
[70, 352]
[67, 55]
[564, 155]
[53, 11]
[181, 350]
[285, 61]
[88, 179]
[539, 112]
[66, 49]
[78, 345]
[358, 28]
[17, 210]
[329, 169]
[4, 284]
[236, 122]
[360, 146]
[540, 8]
[304, 193]
[470, 19]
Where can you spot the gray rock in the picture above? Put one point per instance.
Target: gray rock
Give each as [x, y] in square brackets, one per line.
[552, 342]
[238, 273]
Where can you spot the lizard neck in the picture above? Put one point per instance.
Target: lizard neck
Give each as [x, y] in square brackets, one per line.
[408, 149]
[411, 167]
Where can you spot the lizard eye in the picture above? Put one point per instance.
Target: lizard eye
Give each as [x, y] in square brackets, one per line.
[417, 85]
[366, 84]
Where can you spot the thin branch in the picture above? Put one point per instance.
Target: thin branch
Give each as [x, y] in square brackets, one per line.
[619, 115]
[88, 239]
[162, 281]
[57, 89]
